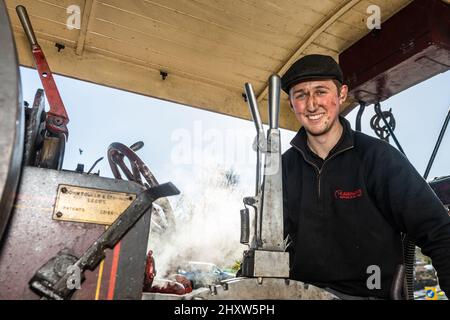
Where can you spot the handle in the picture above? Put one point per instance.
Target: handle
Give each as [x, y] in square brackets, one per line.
[245, 226]
[274, 100]
[26, 24]
[253, 105]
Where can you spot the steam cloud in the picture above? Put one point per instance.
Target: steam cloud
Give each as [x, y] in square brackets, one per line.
[207, 222]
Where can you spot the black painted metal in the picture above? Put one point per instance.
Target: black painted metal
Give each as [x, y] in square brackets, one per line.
[362, 106]
[438, 144]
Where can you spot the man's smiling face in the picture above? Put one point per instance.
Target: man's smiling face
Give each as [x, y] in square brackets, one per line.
[316, 104]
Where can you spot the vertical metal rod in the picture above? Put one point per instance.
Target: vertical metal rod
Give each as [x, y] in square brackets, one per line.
[438, 144]
[380, 114]
[274, 100]
[409, 246]
[272, 197]
[362, 106]
[253, 105]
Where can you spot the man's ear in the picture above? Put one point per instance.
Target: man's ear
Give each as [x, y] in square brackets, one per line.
[290, 103]
[289, 99]
[343, 94]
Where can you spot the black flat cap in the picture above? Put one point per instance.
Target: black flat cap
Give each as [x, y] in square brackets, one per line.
[311, 67]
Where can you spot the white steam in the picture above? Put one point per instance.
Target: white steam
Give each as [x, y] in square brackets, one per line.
[207, 221]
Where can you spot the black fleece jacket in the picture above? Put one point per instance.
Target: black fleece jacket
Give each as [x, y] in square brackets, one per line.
[345, 213]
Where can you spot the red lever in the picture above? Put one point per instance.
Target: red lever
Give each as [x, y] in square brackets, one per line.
[57, 117]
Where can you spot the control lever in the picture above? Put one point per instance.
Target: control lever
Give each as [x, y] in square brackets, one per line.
[266, 256]
[57, 117]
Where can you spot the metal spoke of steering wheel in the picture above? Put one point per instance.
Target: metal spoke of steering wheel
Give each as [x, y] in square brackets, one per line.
[117, 152]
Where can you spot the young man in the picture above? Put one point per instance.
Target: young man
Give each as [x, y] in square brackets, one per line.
[348, 197]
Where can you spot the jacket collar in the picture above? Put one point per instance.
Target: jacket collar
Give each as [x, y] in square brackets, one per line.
[345, 142]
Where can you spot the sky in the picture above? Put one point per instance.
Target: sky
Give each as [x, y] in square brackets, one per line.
[192, 148]
[180, 139]
[419, 113]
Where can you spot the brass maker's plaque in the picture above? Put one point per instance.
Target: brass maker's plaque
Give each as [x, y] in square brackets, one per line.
[78, 204]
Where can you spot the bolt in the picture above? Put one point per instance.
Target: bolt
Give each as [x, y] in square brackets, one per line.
[63, 189]
[163, 74]
[59, 214]
[60, 46]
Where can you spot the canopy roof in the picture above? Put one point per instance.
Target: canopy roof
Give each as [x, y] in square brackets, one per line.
[208, 48]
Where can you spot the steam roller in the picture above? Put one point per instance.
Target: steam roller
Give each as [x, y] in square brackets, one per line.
[75, 235]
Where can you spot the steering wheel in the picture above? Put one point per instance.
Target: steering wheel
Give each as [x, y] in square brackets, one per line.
[162, 219]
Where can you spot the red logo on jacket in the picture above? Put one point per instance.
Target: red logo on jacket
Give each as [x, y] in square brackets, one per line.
[347, 195]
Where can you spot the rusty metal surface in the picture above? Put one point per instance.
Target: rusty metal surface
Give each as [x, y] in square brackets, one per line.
[51, 156]
[11, 120]
[34, 117]
[117, 152]
[34, 237]
[58, 283]
[41, 149]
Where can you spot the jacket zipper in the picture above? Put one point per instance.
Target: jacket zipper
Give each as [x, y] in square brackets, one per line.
[319, 171]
